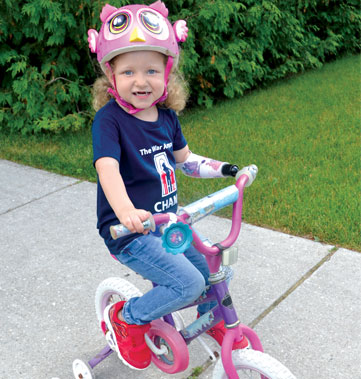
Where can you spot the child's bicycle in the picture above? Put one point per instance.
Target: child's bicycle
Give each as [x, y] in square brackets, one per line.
[168, 337]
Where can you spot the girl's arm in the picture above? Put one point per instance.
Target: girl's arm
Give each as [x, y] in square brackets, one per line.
[117, 196]
[202, 167]
[182, 154]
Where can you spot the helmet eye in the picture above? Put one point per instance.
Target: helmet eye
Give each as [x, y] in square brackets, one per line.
[119, 23]
[151, 22]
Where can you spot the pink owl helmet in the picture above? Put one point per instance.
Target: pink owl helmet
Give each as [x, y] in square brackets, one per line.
[133, 28]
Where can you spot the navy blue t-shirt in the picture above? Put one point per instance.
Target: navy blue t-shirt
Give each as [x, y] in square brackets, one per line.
[144, 151]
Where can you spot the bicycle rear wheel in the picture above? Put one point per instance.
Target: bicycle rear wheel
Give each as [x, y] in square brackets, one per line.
[254, 364]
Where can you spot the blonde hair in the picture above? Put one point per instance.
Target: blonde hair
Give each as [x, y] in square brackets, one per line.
[176, 99]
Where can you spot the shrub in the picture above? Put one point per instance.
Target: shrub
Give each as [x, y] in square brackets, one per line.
[46, 66]
[236, 45]
[47, 69]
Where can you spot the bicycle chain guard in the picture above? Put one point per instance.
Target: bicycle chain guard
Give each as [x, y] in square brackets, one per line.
[177, 238]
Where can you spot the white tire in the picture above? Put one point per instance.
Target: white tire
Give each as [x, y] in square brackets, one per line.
[111, 291]
[82, 370]
[251, 364]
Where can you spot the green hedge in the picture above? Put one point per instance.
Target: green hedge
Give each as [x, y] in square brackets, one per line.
[47, 69]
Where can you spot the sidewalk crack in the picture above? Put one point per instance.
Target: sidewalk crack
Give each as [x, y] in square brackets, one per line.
[41, 197]
[308, 274]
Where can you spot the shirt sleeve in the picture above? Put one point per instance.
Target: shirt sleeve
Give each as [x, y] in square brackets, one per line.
[179, 140]
[106, 138]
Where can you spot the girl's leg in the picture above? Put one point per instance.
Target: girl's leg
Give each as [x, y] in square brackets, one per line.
[179, 281]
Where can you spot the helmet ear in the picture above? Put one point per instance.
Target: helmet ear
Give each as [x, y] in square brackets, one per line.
[160, 7]
[180, 30]
[92, 39]
[107, 11]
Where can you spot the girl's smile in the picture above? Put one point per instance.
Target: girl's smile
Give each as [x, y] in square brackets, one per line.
[142, 94]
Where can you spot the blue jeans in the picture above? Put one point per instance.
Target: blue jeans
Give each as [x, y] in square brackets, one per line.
[180, 279]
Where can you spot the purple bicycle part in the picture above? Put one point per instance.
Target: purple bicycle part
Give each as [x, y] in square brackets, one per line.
[100, 356]
[169, 320]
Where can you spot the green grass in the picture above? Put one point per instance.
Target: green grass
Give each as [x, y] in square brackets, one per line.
[303, 134]
[69, 154]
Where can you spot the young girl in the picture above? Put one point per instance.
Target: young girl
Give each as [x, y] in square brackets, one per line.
[137, 144]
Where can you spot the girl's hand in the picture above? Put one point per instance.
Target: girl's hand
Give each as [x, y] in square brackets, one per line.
[116, 194]
[133, 220]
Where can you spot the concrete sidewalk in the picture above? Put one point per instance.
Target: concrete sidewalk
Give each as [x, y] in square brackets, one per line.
[303, 298]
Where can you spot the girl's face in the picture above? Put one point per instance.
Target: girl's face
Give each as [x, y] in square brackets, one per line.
[139, 77]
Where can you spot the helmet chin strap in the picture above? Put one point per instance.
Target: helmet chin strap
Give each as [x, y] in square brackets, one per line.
[131, 109]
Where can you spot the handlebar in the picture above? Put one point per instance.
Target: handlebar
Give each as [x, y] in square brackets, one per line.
[120, 230]
[195, 212]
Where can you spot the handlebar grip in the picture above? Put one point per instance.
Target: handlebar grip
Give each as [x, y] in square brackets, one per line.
[251, 171]
[120, 230]
[229, 169]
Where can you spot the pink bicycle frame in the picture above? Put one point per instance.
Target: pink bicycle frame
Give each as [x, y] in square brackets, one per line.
[214, 259]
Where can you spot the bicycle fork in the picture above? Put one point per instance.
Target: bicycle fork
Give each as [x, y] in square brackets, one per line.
[235, 331]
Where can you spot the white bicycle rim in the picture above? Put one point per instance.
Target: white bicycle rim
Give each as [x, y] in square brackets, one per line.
[112, 290]
[252, 364]
[82, 370]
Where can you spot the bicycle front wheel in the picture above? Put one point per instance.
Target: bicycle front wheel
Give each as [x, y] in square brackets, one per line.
[254, 364]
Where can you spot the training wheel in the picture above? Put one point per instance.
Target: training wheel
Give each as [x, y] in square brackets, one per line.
[82, 370]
